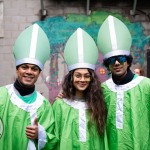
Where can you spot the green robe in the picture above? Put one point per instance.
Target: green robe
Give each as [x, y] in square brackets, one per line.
[15, 115]
[128, 120]
[72, 125]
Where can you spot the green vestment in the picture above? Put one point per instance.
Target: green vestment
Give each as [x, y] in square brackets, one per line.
[15, 115]
[128, 119]
[73, 127]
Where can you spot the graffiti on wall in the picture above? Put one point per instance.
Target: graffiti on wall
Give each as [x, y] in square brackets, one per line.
[59, 29]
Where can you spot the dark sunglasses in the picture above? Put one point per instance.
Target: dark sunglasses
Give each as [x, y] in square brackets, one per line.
[120, 59]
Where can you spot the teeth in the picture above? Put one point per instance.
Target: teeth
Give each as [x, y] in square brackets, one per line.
[29, 77]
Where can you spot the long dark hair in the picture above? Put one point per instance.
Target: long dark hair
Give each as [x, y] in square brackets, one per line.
[93, 96]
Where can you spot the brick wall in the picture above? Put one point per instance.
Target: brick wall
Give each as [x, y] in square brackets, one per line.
[19, 14]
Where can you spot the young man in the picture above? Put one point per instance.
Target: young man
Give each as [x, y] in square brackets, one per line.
[127, 95]
[26, 117]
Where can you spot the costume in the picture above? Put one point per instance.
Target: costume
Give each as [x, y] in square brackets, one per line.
[114, 38]
[128, 118]
[72, 117]
[15, 115]
[17, 111]
[72, 122]
[128, 103]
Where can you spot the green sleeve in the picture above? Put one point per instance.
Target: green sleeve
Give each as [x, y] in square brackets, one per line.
[46, 120]
[58, 119]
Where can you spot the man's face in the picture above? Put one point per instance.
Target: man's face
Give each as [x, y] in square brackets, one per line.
[28, 74]
[118, 66]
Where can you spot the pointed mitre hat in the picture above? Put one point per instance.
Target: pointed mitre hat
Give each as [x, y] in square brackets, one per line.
[80, 51]
[32, 46]
[114, 38]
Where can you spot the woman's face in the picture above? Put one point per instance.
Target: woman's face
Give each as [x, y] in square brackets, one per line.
[81, 80]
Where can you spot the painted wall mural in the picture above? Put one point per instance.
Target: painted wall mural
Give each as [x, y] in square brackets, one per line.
[59, 29]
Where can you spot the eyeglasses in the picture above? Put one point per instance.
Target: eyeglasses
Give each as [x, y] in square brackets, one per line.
[79, 77]
[120, 59]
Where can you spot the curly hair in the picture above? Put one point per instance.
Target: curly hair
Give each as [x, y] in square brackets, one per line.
[93, 96]
[129, 61]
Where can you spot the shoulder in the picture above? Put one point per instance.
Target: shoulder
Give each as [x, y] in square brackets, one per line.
[59, 106]
[146, 79]
[4, 89]
[104, 84]
[3, 95]
[58, 102]
[145, 82]
[43, 100]
[142, 80]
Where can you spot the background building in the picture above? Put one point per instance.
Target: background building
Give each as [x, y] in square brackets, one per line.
[59, 18]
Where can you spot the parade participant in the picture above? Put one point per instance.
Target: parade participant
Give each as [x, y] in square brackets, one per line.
[26, 117]
[80, 115]
[139, 71]
[127, 96]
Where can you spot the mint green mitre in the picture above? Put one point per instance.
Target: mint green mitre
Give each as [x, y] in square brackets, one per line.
[32, 46]
[114, 38]
[80, 51]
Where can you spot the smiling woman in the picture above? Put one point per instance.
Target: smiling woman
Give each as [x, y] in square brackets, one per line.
[80, 115]
[81, 80]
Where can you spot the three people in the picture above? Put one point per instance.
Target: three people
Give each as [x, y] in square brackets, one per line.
[80, 116]
[26, 117]
[127, 96]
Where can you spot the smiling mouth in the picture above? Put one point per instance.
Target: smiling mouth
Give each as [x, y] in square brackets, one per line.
[82, 85]
[28, 78]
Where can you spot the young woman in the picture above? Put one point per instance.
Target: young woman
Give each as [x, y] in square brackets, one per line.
[81, 116]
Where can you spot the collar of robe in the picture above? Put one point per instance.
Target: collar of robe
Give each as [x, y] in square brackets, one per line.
[128, 77]
[23, 90]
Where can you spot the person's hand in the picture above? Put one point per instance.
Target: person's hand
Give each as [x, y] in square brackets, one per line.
[60, 95]
[32, 131]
